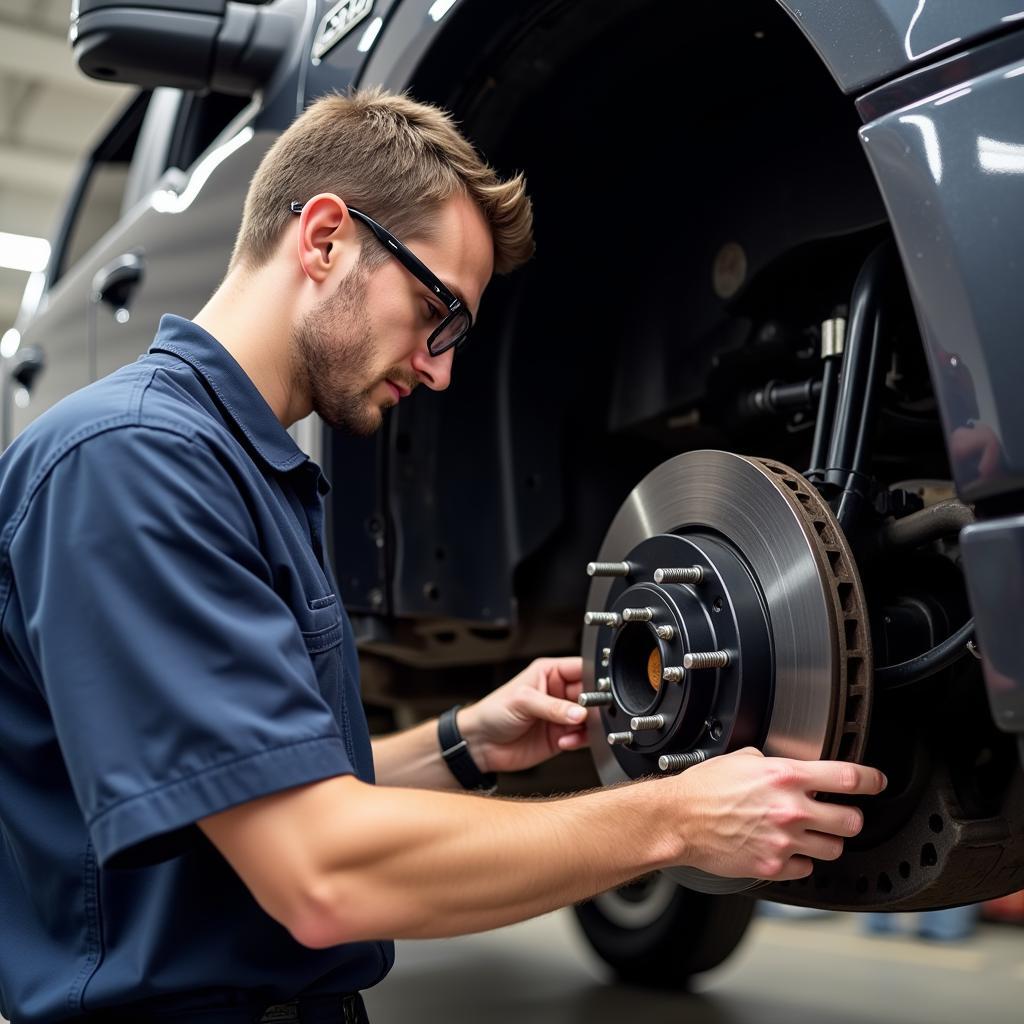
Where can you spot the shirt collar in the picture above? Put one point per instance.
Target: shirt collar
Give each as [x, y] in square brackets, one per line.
[232, 387]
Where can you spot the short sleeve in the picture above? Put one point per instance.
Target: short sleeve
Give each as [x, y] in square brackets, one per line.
[178, 680]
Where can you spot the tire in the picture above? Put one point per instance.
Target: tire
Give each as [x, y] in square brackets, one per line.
[657, 934]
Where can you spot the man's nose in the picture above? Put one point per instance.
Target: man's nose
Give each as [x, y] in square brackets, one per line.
[434, 371]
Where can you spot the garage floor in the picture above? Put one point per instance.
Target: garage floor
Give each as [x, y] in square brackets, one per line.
[816, 971]
[811, 971]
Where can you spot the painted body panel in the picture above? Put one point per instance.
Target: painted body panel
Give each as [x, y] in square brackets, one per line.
[993, 557]
[950, 168]
[868, 41]
[951, 172]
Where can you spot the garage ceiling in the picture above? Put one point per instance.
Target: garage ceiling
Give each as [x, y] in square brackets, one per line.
[50, 116]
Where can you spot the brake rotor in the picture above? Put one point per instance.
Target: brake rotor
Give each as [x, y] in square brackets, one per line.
[769, 619]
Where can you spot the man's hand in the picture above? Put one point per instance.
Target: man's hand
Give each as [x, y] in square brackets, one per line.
[754, 816]
[528, 720]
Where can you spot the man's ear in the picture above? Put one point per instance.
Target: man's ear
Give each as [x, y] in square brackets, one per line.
[327, 239]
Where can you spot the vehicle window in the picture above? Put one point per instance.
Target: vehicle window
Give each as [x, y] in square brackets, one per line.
[95, 205]
[109, 183]
[201, 120]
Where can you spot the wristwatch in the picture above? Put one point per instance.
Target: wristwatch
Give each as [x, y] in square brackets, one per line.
[455, 751]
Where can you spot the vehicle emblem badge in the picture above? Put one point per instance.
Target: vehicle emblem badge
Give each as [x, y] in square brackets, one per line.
[337, 23]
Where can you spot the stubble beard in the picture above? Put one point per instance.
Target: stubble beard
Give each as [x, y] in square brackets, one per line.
[333, 348]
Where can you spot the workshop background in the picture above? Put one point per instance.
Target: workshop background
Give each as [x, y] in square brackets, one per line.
[50, 114]
[794, 967]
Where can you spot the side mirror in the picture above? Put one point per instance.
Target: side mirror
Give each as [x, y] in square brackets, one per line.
[184, 44]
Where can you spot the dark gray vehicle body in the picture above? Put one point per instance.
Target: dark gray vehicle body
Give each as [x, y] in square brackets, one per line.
[464, 524]
[940, 87]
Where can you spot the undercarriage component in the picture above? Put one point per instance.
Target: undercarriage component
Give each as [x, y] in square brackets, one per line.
[846, 464]
[930, 523]
[770, 648]
[833, 339]
[943, 655]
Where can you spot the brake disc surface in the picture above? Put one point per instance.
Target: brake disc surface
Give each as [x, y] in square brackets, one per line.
[779, 591]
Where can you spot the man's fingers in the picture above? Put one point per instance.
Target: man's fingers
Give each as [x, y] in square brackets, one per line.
[552, 709]
[569, 670]
[842, 777]
[836, 819]
[795, 867]
[820, 846]
[572, 740]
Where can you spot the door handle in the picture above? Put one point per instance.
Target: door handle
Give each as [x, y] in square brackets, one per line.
[115, 282]
[28, 365]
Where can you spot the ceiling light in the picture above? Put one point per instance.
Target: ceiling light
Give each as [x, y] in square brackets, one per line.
[23, 252]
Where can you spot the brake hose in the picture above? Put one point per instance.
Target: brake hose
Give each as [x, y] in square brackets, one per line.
[953, 648]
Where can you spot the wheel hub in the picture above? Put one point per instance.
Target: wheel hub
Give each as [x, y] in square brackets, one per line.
[724, 612]
[735, 617]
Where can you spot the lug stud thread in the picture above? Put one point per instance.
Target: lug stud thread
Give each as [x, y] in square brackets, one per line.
[637, 614]
[645, 723]
[608, 568]
[706, 659]
[691, 574]
[604, 684]
[672, 674]
[680, 762]
[602, 619]
[594, 699]
[665, 632]
[620, 739]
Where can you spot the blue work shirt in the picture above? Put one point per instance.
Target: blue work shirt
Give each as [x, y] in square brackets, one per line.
[172, 645]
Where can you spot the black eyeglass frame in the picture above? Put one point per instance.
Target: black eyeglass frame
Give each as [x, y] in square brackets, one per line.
[423, 274]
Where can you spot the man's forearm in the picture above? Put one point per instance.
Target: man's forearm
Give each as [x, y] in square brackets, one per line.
[341, 861]
[411, 864]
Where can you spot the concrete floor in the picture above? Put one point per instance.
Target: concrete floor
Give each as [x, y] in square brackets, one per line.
[813, 971]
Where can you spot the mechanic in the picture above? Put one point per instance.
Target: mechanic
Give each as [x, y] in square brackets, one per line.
[195, 822]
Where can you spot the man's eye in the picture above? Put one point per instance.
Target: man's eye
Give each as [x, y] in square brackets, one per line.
[432, 311]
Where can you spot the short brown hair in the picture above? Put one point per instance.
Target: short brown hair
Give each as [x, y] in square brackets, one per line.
[393, 158]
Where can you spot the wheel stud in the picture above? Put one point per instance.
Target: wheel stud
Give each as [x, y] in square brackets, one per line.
[620, 739]
[637, 614]
[672, 674]
[665, 632]
[604, 684]
[594, 699]
[608, 568]
[706, 659]
[602, 619]
[679, 762]
[691, 574]
[646, 722]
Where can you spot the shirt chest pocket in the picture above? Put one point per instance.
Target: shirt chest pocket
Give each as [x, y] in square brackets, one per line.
[322, 626]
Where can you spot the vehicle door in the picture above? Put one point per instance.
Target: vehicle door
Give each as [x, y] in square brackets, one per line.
[147, 230]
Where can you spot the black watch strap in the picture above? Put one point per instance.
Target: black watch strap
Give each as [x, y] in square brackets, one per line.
[455, 751]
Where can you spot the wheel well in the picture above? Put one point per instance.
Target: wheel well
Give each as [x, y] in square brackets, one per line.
[652, 137]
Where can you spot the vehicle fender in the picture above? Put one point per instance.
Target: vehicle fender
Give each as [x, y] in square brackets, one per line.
[869, 41]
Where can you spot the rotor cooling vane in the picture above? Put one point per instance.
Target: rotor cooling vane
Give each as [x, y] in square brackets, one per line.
[725, 611]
